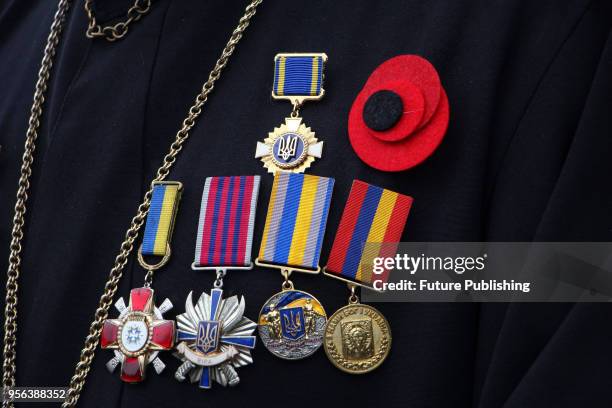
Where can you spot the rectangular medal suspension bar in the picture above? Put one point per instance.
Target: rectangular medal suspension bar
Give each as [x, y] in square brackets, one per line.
[371, 215]
[299, 77]
[225, 227]
[160, 220]
[295, 223]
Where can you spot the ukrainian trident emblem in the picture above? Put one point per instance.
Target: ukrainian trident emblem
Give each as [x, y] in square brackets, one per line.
[292, 323]
[287, 146]
[208, 336]
[214, 339]
[291, 147]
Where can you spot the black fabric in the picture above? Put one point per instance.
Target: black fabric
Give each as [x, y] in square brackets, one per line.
[526, 157]
[382, 110]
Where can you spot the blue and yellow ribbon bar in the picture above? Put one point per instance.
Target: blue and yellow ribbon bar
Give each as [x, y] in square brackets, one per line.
[296, 219]
[160, 220]
[298, 75]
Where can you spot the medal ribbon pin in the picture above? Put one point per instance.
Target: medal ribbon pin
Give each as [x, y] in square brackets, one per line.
[291, 322]
[292, 146]
[140, 332]
[357, 336]
[214, 337]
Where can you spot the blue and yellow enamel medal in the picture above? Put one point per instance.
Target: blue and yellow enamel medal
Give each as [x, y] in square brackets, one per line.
[292, 322]
[292, 146]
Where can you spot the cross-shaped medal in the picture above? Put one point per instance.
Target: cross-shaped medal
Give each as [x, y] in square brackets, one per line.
[138, 335]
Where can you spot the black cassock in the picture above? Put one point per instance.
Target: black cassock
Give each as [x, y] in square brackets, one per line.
[526, 157]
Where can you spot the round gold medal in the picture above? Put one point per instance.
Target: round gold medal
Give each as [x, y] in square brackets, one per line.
[357, 338]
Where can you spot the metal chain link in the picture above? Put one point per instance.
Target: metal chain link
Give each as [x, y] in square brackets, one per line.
[287, 284]
[118, 30]
[148, 279]
[353, 298]
[91, 341]
[14, 261]
[218, 283]
[295, 112]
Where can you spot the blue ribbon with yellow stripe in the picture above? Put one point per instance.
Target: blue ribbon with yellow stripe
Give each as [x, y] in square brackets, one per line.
[298, 75]
[296, 220]
[160, 220]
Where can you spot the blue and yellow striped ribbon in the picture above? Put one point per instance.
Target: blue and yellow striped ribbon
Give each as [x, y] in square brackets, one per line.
[298, 75]
[295, 224]
[160, 220]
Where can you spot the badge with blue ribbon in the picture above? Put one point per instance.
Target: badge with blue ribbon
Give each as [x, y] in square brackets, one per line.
[140, 332]
[292, 322]
[292, 146]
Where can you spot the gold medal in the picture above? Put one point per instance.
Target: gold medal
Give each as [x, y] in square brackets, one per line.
[292, 146]
[357, 338]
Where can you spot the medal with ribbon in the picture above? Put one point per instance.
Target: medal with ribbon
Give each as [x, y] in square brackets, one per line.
[140, 332]
[292, 322]
[214, 338]
[292, 146]
[357, 336]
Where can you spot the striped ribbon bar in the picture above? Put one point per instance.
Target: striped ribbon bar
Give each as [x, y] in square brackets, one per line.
[373, 215]
[160, 220]
[295, 224]
[298, 75]
[227, 217]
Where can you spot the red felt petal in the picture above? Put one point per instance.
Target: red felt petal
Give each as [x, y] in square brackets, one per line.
[406, 153]
[417, 70]
[413, 102]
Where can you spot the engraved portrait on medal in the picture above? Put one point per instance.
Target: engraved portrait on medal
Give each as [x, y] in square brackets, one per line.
[357, 338]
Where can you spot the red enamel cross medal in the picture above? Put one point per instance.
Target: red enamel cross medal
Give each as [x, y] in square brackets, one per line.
[140, 332]
[138, 335]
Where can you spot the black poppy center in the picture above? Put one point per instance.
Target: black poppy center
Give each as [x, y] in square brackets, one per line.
[382, 110]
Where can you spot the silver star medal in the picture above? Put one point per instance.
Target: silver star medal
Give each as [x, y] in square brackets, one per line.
[214, 340]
